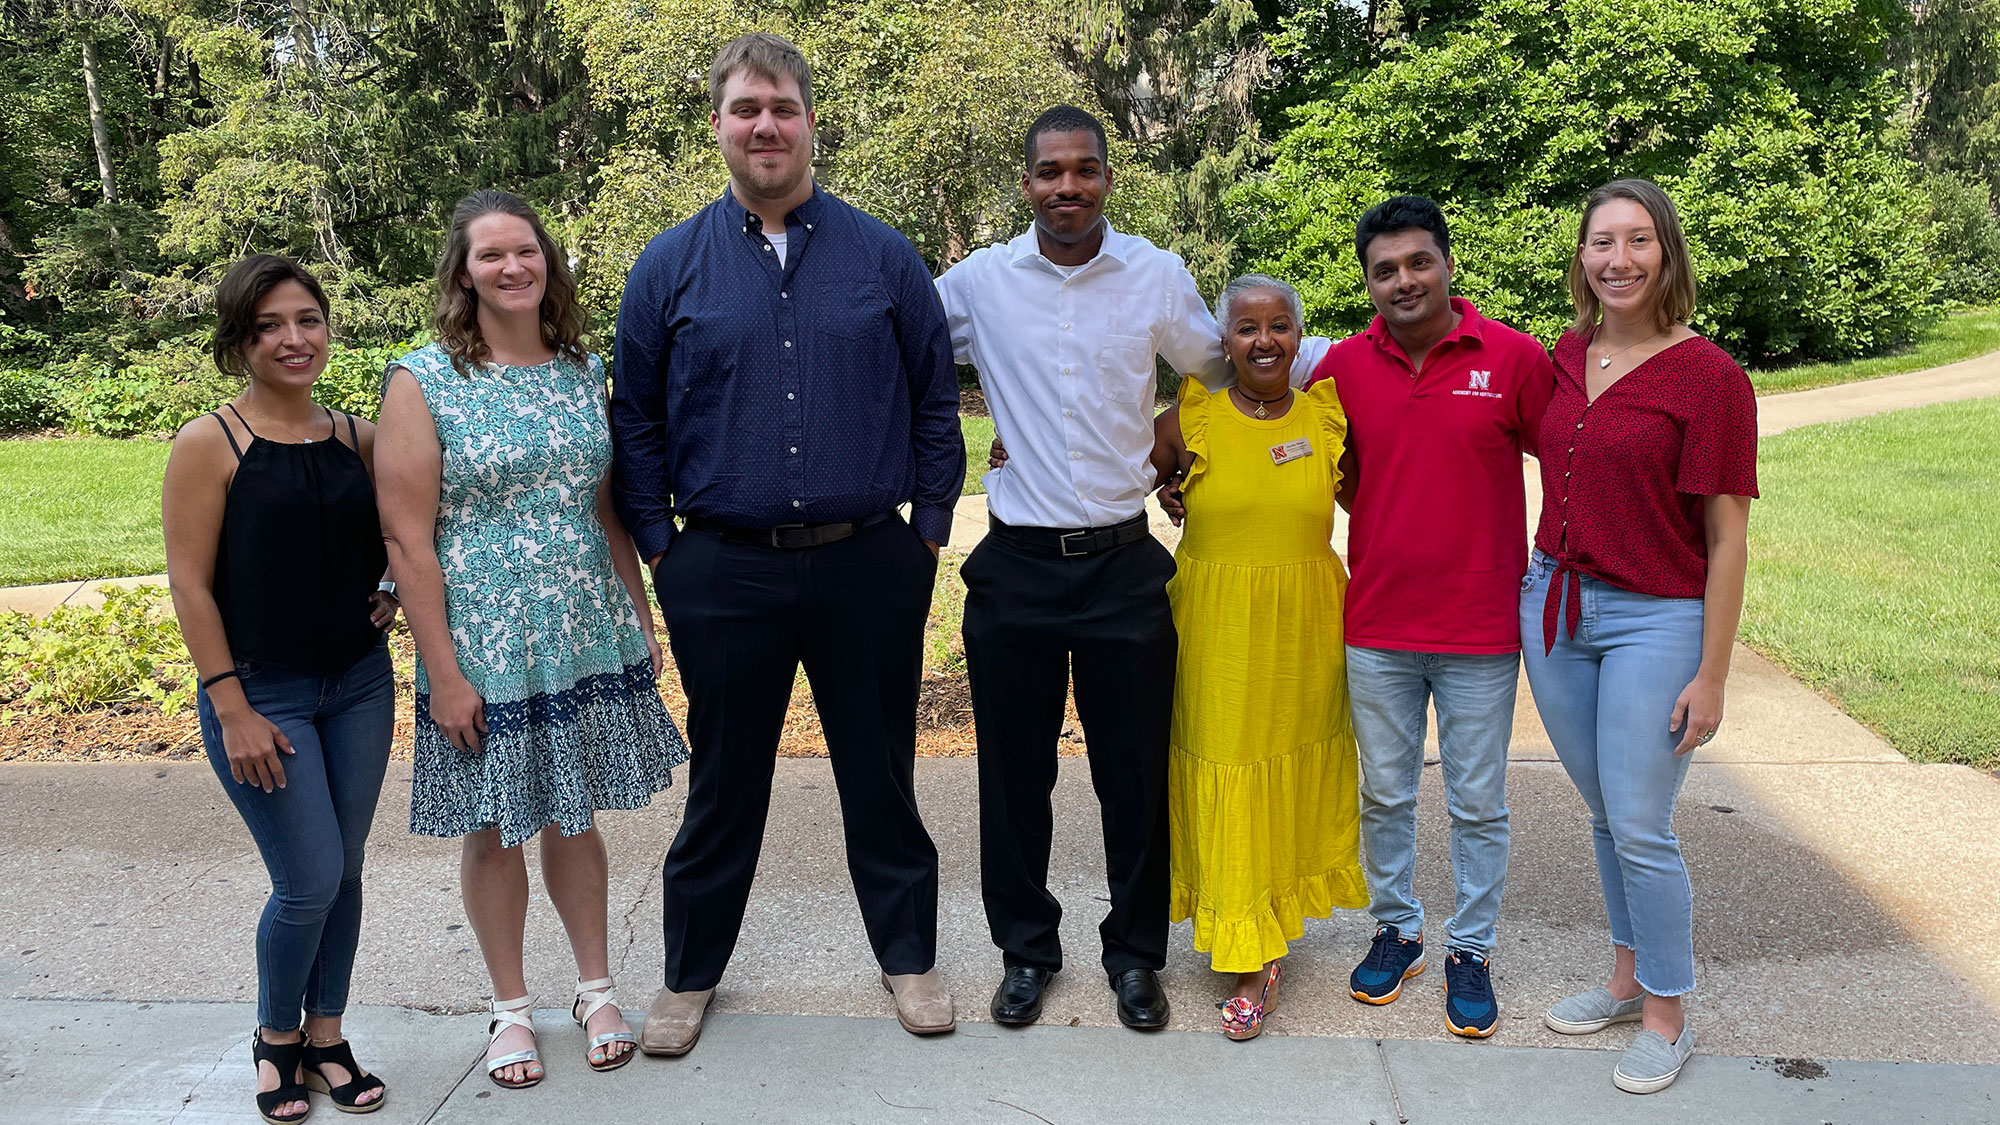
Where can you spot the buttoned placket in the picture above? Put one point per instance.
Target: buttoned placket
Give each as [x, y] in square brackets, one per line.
[1565, 568]
[1071, 359]
[790, 354]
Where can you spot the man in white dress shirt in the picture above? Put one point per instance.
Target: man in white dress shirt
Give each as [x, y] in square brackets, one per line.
[1063, 323]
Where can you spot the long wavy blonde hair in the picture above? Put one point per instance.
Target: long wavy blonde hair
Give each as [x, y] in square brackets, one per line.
[456, 319]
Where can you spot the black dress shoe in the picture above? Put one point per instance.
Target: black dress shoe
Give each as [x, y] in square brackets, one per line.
[1142, 1003]
[1018, 1000]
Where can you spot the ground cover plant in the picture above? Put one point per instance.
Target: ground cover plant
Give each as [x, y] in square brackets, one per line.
[1872, 573]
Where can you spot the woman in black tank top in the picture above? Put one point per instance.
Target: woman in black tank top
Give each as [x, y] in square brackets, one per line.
[274, 556]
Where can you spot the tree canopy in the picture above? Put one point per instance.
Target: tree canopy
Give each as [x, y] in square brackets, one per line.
[1835, 160]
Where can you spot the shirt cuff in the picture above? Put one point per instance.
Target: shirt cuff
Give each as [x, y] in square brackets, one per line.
[654, 538]
[930, 523]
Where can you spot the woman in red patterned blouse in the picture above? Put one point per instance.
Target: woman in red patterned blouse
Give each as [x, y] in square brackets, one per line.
[1629, 610]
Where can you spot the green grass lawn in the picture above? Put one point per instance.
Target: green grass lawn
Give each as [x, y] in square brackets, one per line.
[1873, 575]
[79, 508]
[1960, 335]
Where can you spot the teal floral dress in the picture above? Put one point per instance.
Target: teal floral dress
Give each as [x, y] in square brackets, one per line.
[543, 628]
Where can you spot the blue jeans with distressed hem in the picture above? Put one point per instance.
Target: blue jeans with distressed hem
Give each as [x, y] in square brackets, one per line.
[1474, 694]
[1606, 697]
[311, 833]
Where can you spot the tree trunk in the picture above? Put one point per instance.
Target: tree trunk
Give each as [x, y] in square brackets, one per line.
[100, 134]
[304, 48]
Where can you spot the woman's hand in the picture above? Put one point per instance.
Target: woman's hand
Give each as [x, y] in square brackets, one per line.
[459, 712]
[1697, 713]
[1170, 500]
[382, 607]
[252, 743]
[996, 454]
[653, 650]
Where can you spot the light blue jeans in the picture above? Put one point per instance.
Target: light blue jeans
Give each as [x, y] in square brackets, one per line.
[1606, 697]
[1474, 693]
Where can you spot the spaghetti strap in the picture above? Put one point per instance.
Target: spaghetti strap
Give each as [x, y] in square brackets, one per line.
[353, 438]
[239, 418]
[226, 432]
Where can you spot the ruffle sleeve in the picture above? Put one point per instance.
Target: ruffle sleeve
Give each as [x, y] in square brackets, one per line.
[1324, 398]
[1195, 403]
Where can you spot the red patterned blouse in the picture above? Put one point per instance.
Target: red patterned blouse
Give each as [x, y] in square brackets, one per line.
[1623, 477]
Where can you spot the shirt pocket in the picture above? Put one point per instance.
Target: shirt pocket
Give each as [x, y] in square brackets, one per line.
[854, 310]
[1125, 367]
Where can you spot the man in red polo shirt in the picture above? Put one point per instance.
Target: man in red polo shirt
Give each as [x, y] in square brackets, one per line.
[1441, 404]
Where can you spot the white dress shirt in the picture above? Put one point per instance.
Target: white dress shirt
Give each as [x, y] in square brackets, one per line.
[1065, 358]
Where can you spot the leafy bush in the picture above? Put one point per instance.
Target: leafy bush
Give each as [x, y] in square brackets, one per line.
[1966, 246]
[159, 393]
[353, 378]
[1769, 123]
[78, 659]
[27, 400]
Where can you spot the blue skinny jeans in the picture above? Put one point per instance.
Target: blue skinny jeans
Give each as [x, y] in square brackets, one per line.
[1606, 696]
[311, 833]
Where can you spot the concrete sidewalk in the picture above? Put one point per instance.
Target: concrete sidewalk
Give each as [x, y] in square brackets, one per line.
[188, 1064]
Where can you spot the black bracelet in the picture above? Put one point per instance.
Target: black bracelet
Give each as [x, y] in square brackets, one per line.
[218, 678]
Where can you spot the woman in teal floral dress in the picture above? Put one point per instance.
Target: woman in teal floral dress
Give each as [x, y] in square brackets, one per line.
[537, 658]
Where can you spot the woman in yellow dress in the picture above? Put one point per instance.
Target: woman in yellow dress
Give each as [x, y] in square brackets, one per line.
[1263, 796]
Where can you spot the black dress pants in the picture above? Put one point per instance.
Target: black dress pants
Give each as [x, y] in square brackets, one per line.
[1032, 620]
[741, 619]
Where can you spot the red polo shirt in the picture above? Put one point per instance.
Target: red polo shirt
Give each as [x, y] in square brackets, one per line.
[1437, 540]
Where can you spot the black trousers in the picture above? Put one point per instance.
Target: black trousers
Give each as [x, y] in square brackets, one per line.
[1031, 622]
[741, 619]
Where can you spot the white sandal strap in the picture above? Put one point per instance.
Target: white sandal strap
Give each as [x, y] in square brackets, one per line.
[611, 1037]
[594, 995]
[518, 1012]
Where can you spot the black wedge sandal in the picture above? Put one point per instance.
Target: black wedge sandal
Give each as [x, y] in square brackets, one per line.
[285, 1059]
[345, 1097]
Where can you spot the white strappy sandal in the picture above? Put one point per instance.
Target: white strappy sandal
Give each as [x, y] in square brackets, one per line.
[518, 1012]
[593, 996]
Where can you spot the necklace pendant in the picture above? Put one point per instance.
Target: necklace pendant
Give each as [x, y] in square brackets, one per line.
[1603, 363]
[1261, 412]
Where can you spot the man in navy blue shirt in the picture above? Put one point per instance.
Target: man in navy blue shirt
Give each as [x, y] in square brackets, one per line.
[783, 382]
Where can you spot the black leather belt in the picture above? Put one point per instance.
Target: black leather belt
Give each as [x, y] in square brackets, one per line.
[1072, 543]
[788, 536]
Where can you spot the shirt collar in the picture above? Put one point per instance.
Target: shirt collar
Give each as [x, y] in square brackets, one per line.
[808, 213]
[1026, 250]
[1471, 326]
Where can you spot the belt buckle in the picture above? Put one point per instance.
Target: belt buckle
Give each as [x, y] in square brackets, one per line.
[1063, 543]
[781, 528]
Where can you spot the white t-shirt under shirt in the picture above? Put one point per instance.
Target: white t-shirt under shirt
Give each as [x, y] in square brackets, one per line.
[777, 241]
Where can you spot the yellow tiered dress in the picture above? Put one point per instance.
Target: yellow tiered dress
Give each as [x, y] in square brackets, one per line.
[1264, 800]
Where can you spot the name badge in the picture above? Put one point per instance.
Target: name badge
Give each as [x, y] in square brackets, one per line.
[1291, 451]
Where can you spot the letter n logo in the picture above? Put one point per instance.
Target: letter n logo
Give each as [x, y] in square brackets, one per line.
[1481, 381]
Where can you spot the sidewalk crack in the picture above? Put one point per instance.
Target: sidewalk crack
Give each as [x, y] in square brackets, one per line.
[631, 933]
[189, 1099]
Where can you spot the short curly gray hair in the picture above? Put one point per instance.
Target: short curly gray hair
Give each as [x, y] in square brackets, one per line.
[1249, 283]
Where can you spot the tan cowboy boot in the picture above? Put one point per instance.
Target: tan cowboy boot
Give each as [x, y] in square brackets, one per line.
[673, 1023]
[923, 1006]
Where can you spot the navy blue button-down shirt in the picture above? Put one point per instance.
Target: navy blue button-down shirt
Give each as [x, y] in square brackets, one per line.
[761, 394]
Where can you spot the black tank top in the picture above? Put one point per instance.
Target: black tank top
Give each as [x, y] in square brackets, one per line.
[301, 552]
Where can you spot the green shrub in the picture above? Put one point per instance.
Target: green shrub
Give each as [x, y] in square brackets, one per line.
[27, 400]
[1966, 245]
[353, 378]
[76, 659]
[157, 393]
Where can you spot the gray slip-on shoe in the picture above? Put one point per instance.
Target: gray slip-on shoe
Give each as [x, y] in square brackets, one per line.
[674, 1022]
[1651, 1063]
[1591, 1011]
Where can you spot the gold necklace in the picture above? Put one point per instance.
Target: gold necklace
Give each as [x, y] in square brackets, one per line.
[1604, 361]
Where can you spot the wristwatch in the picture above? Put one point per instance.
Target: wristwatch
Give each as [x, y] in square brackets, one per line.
[388, 588]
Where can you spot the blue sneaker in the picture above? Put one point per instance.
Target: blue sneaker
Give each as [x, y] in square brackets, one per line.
[1469, 1007]
[1391, 960]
